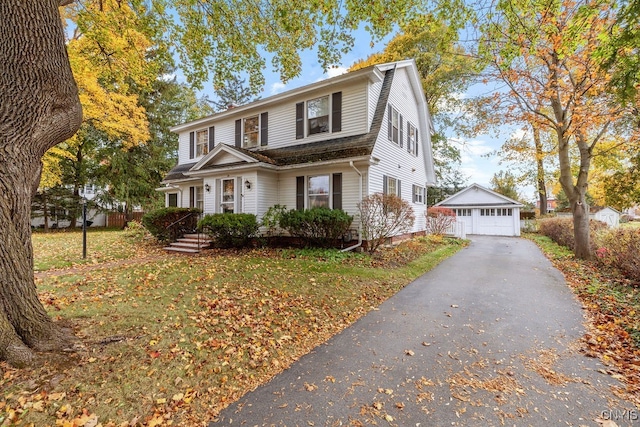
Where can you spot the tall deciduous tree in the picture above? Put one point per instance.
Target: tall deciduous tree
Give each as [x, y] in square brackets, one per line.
[446, 70]
[40, 106]
[506, 184]
[544, 52]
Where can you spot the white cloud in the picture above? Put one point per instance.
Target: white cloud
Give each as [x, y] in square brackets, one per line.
[336, 71]
[277, 87]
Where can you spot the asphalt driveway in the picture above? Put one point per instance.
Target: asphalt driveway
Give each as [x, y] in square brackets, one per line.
[488, 338]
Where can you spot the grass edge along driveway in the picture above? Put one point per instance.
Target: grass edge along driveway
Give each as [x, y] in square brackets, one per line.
[173, 340]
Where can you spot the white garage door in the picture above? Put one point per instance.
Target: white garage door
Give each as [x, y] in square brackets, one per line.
[495, 222]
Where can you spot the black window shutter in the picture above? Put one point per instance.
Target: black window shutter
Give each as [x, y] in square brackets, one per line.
[212, 137]
[336, 112]
[417, 142]
[192, 196]
[390, 114]
[337, 191]
[409, 136]
[399, 190]
[300, 193]
[192, 145]
[264, 128]
[384, 184]
[300, 120]
[238, 133]
[401, 129]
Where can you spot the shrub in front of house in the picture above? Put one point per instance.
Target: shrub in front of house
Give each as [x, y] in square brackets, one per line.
[167, 224]
[620, 248]
[271, 220]
[383, 216]
[440, 220]
[230, 230]
[560, 230]
[317, 226]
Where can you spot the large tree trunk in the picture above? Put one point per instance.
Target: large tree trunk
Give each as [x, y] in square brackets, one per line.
[576, 193]
[39, 107]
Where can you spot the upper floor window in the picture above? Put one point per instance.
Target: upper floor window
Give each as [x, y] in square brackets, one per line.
[202, 142]
[318, 115]
[412, 139]
[395, 125]
[251, 131]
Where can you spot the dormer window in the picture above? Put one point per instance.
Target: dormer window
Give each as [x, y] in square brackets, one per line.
[318, 115]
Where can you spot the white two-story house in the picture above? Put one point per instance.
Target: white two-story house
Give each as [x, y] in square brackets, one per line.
[329, 144]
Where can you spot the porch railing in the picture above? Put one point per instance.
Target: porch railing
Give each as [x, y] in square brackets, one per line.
[186, 225]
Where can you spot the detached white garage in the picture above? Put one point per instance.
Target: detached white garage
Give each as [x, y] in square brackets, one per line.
[484, 211]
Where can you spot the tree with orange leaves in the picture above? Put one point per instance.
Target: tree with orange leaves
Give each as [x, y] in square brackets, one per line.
[544, 51]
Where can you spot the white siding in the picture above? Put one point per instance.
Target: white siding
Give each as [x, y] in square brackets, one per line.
[249, 200]
[396, 161]
[267, 192]
[282, 119]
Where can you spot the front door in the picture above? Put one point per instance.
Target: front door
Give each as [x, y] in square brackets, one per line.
[228, 195]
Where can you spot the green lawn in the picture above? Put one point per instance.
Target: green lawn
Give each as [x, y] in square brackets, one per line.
[63, 249]
[174, 339]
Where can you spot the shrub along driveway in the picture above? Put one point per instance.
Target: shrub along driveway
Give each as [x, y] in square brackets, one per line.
[489, 337]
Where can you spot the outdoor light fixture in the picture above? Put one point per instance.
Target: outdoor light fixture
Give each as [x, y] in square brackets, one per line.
[247, 184]
[207, 187]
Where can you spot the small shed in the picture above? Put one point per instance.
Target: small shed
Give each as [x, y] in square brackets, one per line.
[606, 214]
[483, 211]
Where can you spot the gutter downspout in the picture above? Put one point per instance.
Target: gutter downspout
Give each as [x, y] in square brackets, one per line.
[350, 248]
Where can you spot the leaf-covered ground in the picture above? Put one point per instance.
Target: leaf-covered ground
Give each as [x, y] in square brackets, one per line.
[612, 309]
[171, 340]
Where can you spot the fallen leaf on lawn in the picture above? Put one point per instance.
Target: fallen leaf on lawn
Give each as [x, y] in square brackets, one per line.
[388, 417]
[377, 405]
[177, 397]
[310, 387]
[409, 352]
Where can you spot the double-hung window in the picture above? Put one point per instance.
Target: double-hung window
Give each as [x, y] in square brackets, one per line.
[418, 194]
[318, 191]
[412, 140]
[202, 142]
[395, 123]
[318, 115]
[391, 185]
[250, 131]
